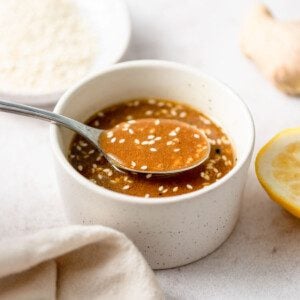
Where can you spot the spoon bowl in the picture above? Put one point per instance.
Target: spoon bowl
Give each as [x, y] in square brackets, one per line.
[155, 146]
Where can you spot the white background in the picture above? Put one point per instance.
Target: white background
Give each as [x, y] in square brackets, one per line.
[261, 258]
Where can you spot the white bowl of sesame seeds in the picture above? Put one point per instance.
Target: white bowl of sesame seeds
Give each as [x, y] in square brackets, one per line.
[169, 231]
[72, 39]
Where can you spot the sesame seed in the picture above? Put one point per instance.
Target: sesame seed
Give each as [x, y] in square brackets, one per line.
[80, 167]
[133, 164]
[147, 196]
[91, 151]
[182, 114]
[110, 134]
[151, 142]
[204, 120]
[176, 150]
[94, 166]
[219, 142]
[131, 121]
[121, 141]
[153, 149]
[177, 129]
[108, 171]
[158, 138]
[150, 137]
[190, 159]
[190, 187]
[175, 189]
[144, 167]
[136, 103]
[78, 148]
[173, 133]
[224, 157]
[169, 143]
[212, 142]
[100, 114]
[82, 144]
[99, 157]
[207, 131]
[225, 140]
[157, 122]
[137, 141]
[149, 112]
[196, 136]
[113, 139]
[160, 104]
[145, 143]
[126, 187]
[173, 112]
[96, 123]
[219, 175]
[100, 176]
[165, 190]
[130, 131]
[160, 189]
[148, 176]
[151, 101]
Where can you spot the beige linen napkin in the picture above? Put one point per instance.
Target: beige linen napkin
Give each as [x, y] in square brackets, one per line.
[75, 262]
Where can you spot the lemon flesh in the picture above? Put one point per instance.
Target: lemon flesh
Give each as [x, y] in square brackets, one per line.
[277, 168]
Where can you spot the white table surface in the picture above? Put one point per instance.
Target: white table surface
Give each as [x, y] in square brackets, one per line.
[261, 258]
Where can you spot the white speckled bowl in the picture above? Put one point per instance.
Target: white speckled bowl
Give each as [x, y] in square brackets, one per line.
[170, 231]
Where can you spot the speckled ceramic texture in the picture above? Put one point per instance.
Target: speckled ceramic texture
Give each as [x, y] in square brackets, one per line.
[170, 231]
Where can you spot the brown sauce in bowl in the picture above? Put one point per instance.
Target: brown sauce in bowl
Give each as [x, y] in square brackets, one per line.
[92, 165]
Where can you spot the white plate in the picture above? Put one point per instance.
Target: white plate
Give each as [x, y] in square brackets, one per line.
[109, 20]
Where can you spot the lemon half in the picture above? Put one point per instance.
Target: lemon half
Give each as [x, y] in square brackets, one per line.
[277, 168]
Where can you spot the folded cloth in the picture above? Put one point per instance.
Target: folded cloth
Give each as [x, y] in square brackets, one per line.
[75, 262]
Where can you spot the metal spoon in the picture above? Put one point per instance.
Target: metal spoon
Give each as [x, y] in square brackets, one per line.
[89, 133]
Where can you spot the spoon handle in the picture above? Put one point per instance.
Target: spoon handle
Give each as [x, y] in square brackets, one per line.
[90, 133]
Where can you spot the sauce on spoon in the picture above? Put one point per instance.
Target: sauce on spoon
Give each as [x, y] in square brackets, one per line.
[155, 145]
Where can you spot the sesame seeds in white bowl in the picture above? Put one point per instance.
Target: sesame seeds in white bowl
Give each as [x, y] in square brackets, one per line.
[47, 46]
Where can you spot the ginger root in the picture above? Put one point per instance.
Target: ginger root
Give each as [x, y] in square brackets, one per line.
[274, 46]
